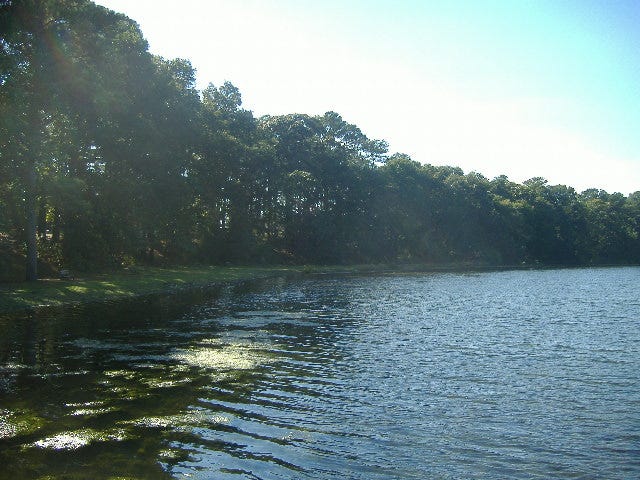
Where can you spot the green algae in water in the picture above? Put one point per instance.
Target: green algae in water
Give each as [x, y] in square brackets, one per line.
[180, 421]
[92, 412]
[172, 455]
[75, 439]
[89, 409]
[19, 422]
[160, 383]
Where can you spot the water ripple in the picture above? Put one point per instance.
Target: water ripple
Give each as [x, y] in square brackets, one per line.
[527, 374]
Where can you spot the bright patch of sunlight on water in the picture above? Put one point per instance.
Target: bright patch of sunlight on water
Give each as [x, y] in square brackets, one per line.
[213, 355]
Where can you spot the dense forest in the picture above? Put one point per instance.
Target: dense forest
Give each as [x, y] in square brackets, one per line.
[109, 156]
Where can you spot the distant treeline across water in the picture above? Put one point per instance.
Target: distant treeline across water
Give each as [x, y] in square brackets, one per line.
[109, 155]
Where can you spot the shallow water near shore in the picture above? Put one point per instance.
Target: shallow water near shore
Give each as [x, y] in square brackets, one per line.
[514, 374]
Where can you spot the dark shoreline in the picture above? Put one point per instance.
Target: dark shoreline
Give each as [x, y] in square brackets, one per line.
[18, 298]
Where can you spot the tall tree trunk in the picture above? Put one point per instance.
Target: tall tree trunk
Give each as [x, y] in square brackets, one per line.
[55, 227]
[42, 219]
[36, 133]
[38, 102]
[32, 221]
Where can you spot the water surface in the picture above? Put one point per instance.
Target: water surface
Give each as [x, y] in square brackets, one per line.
[519, 374]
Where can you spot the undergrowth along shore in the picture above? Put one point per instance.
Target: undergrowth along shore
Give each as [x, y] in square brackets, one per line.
[139, 281]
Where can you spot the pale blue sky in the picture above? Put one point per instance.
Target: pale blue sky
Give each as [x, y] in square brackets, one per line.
[522, 88]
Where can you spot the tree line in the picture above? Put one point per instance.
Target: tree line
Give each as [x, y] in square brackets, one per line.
[110, 156]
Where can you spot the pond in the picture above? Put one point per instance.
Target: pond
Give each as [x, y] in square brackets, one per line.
[492, 375]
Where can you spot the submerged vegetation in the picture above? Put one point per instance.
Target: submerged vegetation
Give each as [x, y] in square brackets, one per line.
[110, 157]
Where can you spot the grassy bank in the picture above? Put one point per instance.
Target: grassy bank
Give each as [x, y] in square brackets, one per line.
[125, 284]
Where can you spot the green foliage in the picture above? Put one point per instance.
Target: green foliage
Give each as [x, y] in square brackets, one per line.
[109, 156]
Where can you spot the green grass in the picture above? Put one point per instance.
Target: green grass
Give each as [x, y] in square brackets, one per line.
[125, 284]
